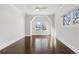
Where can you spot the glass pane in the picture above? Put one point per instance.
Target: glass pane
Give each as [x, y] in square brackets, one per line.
[71, 18]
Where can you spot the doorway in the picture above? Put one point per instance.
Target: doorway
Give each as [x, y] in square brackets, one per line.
[41, 34]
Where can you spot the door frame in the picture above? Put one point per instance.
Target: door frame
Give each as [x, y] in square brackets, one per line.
[50, 30]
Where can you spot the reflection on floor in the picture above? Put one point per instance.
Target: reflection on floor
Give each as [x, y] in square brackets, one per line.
[23, 47]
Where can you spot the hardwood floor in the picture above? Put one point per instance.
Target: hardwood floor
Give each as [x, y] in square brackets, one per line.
[23, 47]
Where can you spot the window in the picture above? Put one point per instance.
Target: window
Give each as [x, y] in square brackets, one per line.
[71, 18]
[40, 26]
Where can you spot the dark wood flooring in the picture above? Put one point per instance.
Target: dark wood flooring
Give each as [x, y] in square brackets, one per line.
[23, 47]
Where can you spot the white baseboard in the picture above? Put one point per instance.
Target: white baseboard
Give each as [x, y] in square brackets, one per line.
[69, 46]
[11, 42]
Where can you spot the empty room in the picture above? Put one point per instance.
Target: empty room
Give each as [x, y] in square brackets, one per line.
[39, 28]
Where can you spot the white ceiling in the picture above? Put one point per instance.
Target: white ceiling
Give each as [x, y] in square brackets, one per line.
[30, 8]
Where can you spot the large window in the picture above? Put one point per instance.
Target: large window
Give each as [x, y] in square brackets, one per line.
[71, 17]
[40, 26]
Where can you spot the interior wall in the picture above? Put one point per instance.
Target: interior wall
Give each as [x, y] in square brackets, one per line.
[68, 35]
[28, 18]
[11, 25]
[52, 17]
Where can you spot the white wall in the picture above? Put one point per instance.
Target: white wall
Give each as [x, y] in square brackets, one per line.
[11, 25]
[28, 18]
[52, 18]
[68, 35]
